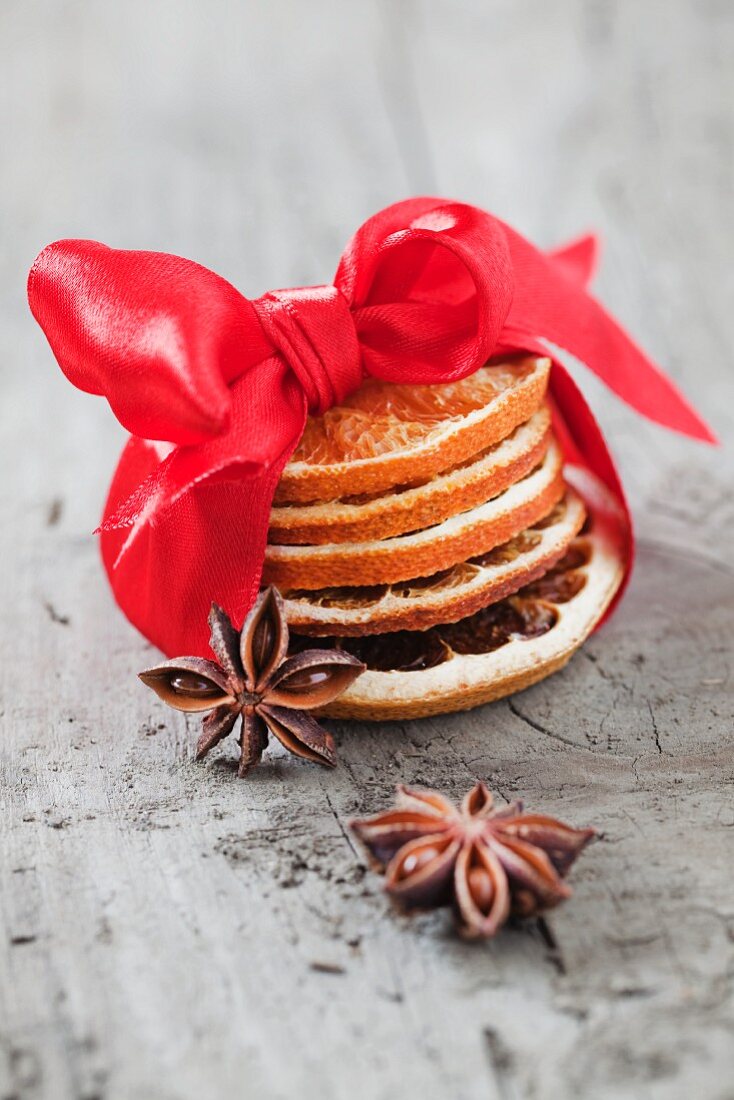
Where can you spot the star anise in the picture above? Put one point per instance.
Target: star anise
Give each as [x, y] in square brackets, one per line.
[490, 863]
[257, 681]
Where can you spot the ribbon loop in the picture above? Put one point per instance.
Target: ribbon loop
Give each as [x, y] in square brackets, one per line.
[313, 329]
[160, 336]
[430, 284]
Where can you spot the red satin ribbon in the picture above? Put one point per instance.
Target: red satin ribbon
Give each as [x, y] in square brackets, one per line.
[425, 292]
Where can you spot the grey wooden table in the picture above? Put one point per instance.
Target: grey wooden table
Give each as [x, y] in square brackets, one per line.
[172, 933]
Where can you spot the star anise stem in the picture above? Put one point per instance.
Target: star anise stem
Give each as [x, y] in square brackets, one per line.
[254, 679]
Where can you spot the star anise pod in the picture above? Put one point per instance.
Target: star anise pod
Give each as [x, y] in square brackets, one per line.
[490, 863]
[257, 681]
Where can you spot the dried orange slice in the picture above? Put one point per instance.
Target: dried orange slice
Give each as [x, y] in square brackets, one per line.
[386, 434]
[410, 508]
[421, 553]
[501, 649]
[448, 595]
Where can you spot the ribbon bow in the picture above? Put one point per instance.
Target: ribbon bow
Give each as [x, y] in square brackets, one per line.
[215, 388]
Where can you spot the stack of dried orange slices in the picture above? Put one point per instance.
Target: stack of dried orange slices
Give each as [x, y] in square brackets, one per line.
[430, 530]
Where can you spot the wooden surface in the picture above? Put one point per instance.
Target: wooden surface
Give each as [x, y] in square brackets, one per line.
[172, 933]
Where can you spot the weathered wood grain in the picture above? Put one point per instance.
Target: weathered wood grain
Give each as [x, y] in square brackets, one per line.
[171, 933]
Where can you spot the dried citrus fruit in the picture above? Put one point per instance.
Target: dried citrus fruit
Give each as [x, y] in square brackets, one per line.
[412, 507]
[499, 649]
[386, 434]
[421, 553]
[447, 595]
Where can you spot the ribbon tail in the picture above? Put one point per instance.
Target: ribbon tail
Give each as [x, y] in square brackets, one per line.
[579, 258]
[550, 303]
[180, 534]
[209, 546]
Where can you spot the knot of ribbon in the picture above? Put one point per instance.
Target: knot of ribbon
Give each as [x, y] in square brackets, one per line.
[215, 388]
[312, 328]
